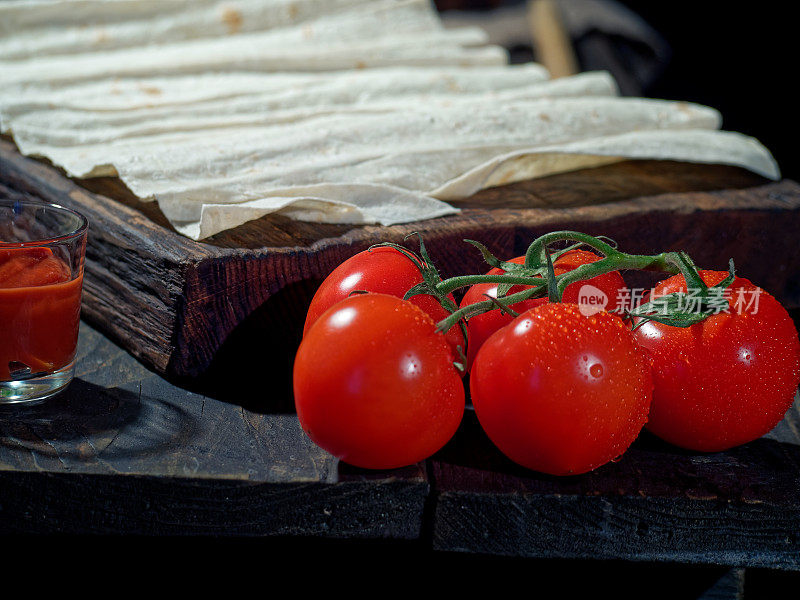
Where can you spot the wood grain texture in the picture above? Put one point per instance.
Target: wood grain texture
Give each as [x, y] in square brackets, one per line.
[208, 313]
[657, 503]
[123, 451]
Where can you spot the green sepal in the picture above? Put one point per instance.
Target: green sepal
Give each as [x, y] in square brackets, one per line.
[430, 279]
[495, 262]
[670, 305]
[516, 269]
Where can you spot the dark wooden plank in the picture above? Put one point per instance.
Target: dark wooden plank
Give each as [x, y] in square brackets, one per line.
[728, 587]
[657, 503]
[199, 311]
[123, 451]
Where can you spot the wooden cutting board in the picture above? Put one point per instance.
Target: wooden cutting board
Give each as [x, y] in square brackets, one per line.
[226, 313]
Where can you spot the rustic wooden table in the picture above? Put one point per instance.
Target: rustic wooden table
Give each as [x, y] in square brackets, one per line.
[125, 451]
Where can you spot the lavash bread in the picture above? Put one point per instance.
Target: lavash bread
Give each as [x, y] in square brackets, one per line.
[354, 111]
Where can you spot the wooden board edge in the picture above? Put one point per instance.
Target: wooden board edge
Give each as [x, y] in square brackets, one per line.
[67, 503]
[638, 225]
[633, 529]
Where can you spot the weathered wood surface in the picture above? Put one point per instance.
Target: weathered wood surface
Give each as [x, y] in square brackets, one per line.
[202, 311]
[124, 451]
[740, 507]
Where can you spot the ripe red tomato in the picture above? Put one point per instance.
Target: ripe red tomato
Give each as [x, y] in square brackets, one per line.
[480, 327]
[560, 392]
[726, 380]
[381, 270]
[375, 385]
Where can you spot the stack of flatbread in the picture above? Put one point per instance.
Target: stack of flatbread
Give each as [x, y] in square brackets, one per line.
[356, 111]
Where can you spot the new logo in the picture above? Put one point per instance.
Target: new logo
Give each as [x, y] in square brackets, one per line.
[591, 300]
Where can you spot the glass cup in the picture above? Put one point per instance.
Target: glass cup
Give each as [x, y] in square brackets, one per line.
[42, 249]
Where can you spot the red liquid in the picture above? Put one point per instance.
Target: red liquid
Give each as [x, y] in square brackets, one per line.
[39, 311]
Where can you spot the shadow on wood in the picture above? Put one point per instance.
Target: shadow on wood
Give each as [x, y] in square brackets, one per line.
[83, 426]
[253, 367]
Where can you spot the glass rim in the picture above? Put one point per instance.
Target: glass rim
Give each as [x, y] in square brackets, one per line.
[72, 235]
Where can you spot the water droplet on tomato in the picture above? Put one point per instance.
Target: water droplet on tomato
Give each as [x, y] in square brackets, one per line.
[745, 355]
[522, 327]
[410, 367]
[596, 370]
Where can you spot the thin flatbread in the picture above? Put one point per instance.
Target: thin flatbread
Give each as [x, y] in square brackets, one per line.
[384, 91]
[356, 111]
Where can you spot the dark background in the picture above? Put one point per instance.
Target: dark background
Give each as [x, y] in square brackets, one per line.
[738, 57]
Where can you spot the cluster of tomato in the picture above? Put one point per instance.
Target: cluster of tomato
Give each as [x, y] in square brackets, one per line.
[557, 388]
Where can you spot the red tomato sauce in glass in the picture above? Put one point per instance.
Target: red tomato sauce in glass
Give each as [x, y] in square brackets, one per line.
[39, 311]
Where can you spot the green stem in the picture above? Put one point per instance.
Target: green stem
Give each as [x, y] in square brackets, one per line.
[534, 257]
[449, 285]
[618, 261]
[487, 305]
[537, 260]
